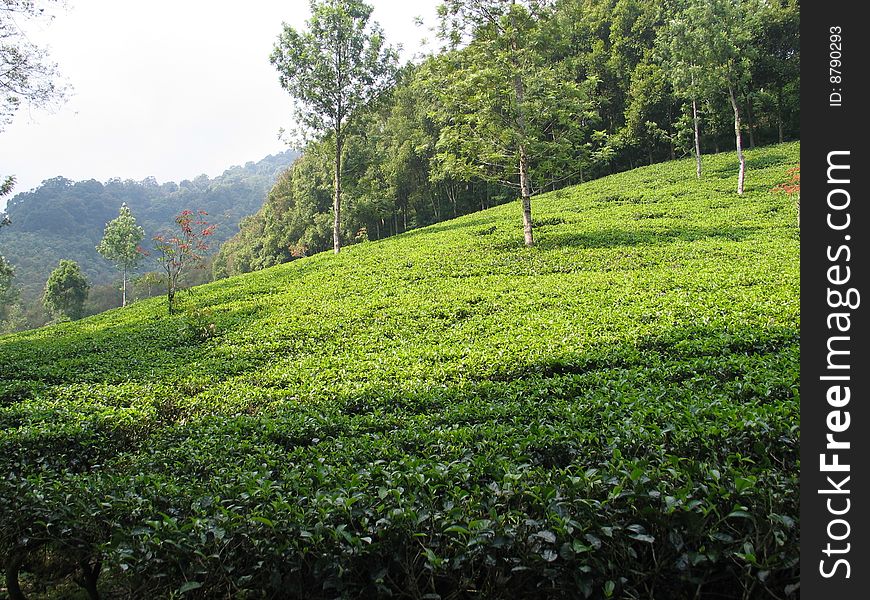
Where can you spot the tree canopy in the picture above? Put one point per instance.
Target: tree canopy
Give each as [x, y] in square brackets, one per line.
[334, 69]
[27, 74]
[120, 245]
[66, 291]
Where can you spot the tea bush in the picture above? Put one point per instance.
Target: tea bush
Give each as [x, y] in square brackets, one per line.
[444, 414]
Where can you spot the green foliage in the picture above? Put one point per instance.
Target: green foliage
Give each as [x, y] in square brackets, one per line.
[65, 291]
[604, 90]
[120, 245]
[336, 66]
[614, 412]
[41, 235]
[482, 123]
[148, 284]
[334, 70]
[8, 294]
[10, 310]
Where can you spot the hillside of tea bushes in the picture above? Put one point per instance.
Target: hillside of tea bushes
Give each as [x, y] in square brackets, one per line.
[444, 414]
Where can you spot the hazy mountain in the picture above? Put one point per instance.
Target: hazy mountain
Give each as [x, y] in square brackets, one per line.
[65, 219]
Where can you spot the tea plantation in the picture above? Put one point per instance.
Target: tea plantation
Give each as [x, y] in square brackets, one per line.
[444, 414]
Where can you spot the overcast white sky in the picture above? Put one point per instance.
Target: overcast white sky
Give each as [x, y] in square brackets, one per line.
[169, 88]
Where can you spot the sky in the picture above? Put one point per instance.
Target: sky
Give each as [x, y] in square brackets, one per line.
[169, 88]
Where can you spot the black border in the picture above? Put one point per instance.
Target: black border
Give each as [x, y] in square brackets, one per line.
[826, 128]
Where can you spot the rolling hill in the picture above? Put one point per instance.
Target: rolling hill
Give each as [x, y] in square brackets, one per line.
[442, 414]
[63, 219]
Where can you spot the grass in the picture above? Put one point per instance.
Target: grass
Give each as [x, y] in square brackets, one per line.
[446, 413]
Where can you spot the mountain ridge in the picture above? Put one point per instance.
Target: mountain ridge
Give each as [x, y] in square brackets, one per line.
[41, 234]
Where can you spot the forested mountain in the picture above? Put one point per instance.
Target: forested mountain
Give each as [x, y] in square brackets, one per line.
[606, 85]
[63, 219]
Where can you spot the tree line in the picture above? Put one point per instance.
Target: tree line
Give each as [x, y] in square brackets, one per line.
[522, 97]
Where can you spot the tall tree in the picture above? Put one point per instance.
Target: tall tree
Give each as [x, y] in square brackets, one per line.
[8, 294]
[776, 69]
[336, 67]
[679, 45]
[716, 51]
[66, 291]
[120, 245]
[502, 107]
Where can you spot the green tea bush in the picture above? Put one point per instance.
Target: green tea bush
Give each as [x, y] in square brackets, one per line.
[444, 414]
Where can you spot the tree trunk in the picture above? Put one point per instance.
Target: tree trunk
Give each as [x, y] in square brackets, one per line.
[525, 186]
[526, 195]
[89, 577]
[14, 562]
[124, 287]
[336, 199]
[13, 567]
[697, 138]
[742, 173]
[170, 292]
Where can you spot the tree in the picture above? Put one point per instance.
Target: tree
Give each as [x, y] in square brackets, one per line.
[66, 291]
[336, 67]
[776, 68]
[503, 108]
[26, 74]
[713, 50]
[8, 293]
[120, 245]
[184, 251]
[679, 47]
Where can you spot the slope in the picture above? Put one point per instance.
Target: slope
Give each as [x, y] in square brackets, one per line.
[614, 411]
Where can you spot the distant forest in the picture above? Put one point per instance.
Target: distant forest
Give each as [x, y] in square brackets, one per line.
[63, 219]
[608, 85]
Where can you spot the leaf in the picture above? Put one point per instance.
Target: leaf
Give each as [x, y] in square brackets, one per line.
[743, 483]
[189, 586]
[547, 536]
[457, 529]
[264, 521]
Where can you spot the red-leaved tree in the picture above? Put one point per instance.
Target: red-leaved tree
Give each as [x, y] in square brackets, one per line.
[183, 251]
